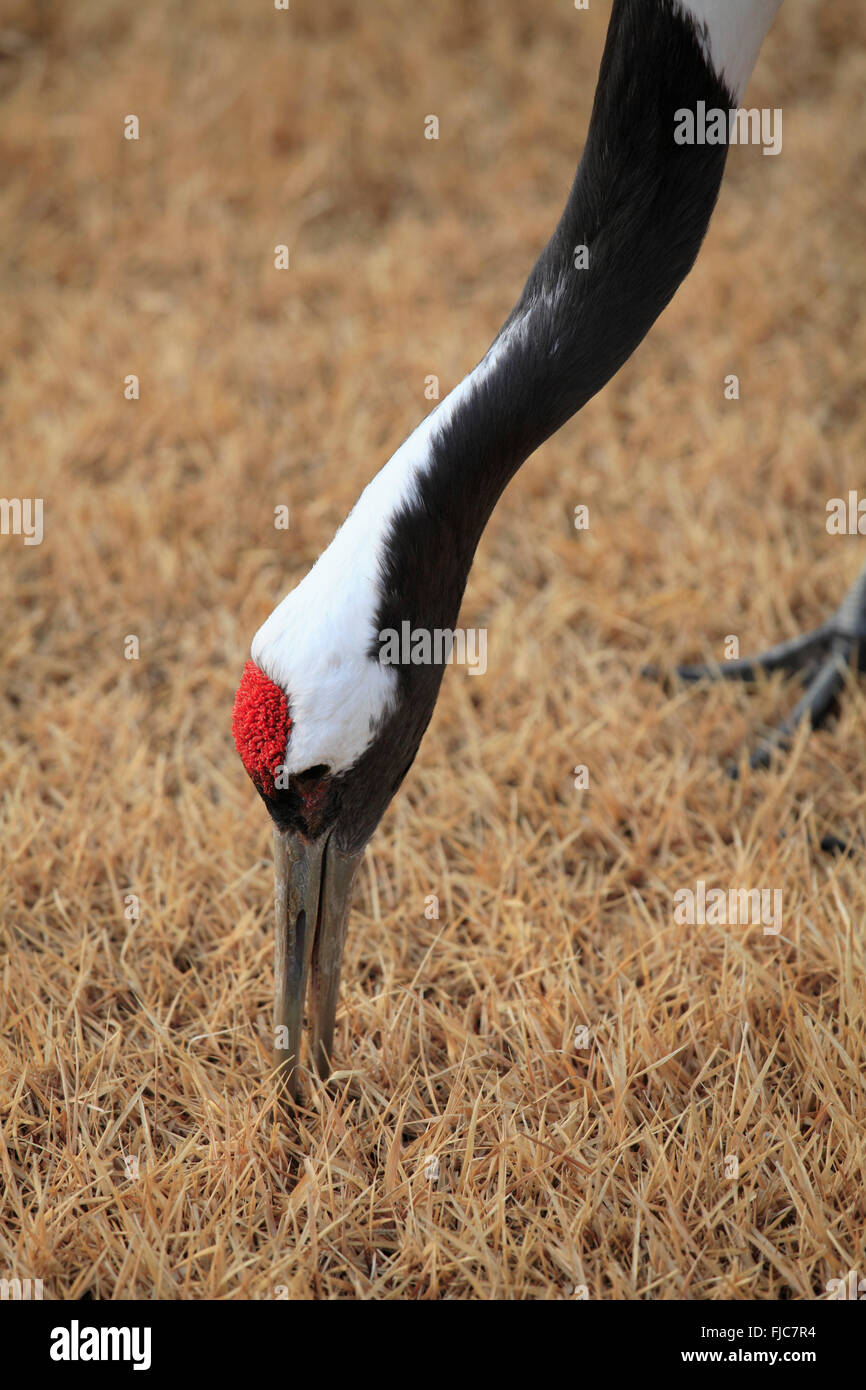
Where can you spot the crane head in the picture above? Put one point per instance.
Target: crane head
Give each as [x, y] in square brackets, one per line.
[327, 721]
[312, 878]
[323, 817]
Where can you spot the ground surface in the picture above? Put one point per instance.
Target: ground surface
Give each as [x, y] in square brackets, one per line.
[566, 1160]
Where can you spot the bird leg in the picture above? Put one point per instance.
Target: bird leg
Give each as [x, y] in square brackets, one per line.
[822, 657]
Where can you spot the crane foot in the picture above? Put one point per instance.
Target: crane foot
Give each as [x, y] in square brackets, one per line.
[821, 658]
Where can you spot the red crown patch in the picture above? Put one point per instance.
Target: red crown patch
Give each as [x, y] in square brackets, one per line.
[261, 726]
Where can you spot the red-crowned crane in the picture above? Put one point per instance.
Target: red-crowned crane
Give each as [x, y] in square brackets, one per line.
[326, 731]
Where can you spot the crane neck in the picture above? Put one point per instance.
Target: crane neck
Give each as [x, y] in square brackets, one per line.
[630, 232]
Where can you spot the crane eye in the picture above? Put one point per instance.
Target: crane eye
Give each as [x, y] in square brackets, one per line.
[312, 774]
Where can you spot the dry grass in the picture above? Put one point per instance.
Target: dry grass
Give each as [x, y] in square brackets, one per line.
[558, 1167]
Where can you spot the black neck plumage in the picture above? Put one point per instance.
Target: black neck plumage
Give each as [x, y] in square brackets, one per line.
[632, 227]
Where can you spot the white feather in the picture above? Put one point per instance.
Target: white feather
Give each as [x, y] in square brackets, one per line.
[315, 644]
[735, 30]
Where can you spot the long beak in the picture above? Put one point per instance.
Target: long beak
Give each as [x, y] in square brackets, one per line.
[312, 896]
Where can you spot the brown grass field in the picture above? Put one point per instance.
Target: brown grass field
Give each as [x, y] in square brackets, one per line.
[568, 1164]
